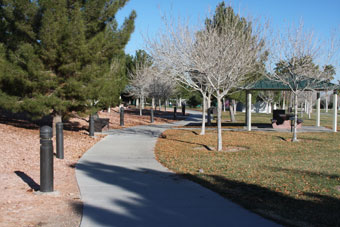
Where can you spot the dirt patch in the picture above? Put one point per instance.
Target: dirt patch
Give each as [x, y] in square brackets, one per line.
[20, 205]
[234, 149]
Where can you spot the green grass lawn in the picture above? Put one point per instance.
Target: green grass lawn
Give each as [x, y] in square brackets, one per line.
[292, 183]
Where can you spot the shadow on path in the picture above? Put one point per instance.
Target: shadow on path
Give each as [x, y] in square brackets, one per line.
[148, 197]
[154, 198]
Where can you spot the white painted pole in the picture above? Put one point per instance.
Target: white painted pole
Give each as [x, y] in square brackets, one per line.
[318, 109]
[335, 111]
[249, 111]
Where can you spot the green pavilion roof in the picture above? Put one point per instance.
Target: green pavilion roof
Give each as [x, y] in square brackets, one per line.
[266, 84]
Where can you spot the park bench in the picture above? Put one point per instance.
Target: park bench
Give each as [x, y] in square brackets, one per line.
[281, 120]
[100, 124]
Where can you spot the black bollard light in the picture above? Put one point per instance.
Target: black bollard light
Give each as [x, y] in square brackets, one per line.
[209, 116]
[91, 126]
[175, 112]
[60, 141]
[121, 116]
[46, 159]
[151, 115]
[183, 109]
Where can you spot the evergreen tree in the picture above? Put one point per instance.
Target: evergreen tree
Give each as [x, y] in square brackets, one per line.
[59, 56]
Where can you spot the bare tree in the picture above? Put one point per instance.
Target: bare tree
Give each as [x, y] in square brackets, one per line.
[226, 58]
[296, 52]
[268, 98]
[211, 58]
[310, 98]
[162, 85]
[172, 52]
[140, 79]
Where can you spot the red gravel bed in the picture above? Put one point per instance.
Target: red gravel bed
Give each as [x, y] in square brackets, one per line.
[20, 205]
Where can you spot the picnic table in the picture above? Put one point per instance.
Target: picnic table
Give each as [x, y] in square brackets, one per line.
[281, 120]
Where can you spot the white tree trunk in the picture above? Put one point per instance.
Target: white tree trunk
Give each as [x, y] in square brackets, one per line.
[235, 106]
[109, 109]
[219, 124]
[142, 101]
[311, 103]
[137, 102]
[209, 101]
[295, 119]
[159, 104]
[231, 112]
[203, 114]
[56, 119]
[141, 107]
[326, 96]
[284, 101]
[153, 103]
[223, 104]
[267, 107]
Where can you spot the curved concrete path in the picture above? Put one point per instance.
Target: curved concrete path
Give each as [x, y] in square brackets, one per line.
[122, 184]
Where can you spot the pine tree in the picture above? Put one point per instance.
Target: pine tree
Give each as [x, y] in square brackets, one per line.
[59, 56]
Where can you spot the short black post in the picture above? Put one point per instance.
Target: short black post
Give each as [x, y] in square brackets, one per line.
[175, 112]
[209, 116]
[121, 116]
[151, 115]
[183, 109]
[46, 159]
[60, 140]
[91, 127]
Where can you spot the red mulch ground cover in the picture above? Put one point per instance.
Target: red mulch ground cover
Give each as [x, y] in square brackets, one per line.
[20, 205]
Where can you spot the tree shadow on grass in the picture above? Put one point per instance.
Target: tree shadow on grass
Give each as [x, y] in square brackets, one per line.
[303, 172]
[187, 142]
[322, 211]
[236, 124]
[147, 197]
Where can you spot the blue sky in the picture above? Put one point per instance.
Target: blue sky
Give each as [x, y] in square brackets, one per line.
[319, 15]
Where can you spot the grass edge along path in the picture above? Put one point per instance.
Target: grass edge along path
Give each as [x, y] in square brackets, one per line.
[293, 184]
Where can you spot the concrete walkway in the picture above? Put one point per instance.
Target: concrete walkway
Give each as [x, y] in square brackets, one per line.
[122, 184]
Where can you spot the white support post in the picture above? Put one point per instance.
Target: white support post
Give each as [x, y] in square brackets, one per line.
[335, 109]
[318, 109]
[248, 111]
